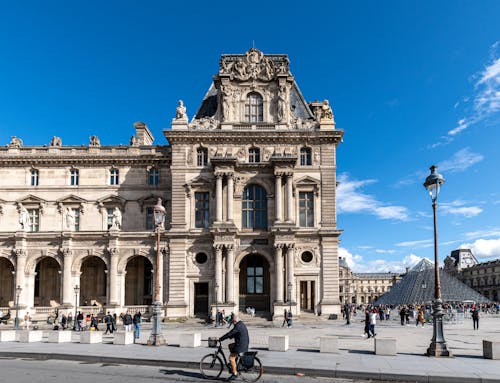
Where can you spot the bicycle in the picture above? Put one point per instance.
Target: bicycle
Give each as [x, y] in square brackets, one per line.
[249, 367]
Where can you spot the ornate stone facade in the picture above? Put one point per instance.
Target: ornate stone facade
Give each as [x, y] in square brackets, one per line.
[249, 187]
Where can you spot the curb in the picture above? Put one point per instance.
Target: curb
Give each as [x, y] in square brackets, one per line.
[290, 371]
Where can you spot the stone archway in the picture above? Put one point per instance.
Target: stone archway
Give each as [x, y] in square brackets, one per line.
[254, 282]
[93, 281]
[7, 282]
[47, 290]
[138, 282]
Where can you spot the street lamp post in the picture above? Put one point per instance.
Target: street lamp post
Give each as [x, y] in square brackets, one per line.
[157, 338]
[75, 321]
[216, 287]
[16, 320]
[438, 346]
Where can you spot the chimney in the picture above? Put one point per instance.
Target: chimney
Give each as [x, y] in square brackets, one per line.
[407, 270]
[143, 135]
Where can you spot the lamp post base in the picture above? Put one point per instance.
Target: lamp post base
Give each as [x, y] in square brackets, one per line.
[156, 338]
[438, 346]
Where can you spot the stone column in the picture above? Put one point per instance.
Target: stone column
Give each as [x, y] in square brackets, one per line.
[289, 199]
[218, 272]
[278, 260]
[68, 288]
[229, 274]
[218, 197]
[21, 256]
[114, 299]
[230, 190]
[290, 268]
[278, 200]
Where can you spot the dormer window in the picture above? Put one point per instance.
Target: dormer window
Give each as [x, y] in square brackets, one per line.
[201, 156]
[254, 155]
[254, 111]
[305, 157]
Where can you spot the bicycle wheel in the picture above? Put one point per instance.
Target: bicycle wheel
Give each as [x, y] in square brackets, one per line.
[211, 366]
[251, 374]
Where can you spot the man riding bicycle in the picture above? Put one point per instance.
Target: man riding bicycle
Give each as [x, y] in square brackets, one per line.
[240, 335]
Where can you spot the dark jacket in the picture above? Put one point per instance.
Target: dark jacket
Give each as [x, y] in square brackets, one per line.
[240, 335]
[127, 319]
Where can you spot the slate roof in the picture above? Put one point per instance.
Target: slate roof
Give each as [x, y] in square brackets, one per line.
[418, 287]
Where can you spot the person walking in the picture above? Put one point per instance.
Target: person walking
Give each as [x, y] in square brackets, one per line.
[108, 319]
[402, 315]
[93, 322]
[420, 317]
[27, 320]
[367, 323]
[373, 322]
[475, 317]
[127, 321]
[64, 322]
[285, 318]
[347, 312]
[137, 325]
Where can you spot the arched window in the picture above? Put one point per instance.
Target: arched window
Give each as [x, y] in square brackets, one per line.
[254, 108]
[305, 157]
[201, 156]
[254, 207]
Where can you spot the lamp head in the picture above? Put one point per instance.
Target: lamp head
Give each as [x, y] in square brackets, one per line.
[433, 182]
[159, 213]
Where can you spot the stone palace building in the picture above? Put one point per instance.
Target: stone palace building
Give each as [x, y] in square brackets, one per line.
[249, 188]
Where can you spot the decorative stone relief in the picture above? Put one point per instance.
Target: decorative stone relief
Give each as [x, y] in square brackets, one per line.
[189, 156]
[205, 123]
[317, 156]
[241, 154]
[268, 152]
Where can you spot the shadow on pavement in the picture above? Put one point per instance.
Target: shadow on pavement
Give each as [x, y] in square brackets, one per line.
[182, 373]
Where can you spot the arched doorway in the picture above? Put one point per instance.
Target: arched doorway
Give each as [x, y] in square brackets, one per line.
[139, 282]
[47, 283]
[6, 282]
[255, 284]
[93, 282]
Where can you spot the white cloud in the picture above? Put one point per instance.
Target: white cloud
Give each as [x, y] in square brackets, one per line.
[380, 265]
[486, 100]
[484, 248]
[458, 208]
[351, 200]
[495, 232]
[383, 251]
[460, 161]
[351, 259]
[416, 244]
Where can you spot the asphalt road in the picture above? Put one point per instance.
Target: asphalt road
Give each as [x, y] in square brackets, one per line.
[33, 371]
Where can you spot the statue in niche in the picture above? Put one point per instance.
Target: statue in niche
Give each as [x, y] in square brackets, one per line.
[56, 141]
[94, 141]
[117, 219]
[70, 218]
[24, 219]
[226, 104]
[281, 103]
[180, 111]
[15, 142]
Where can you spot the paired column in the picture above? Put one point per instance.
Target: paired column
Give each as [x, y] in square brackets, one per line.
[218, 272]
[289, 199]
[279, 202]
[278, 260]
[218, 197]
[229, 274]
[290, 268]
[68, 289]
[21, 257]
[230, 190]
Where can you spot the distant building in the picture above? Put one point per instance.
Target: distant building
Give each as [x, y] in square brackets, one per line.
[483, 277]
[363, 288]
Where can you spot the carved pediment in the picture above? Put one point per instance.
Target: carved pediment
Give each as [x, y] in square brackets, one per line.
[150, 200]
[31, 201]
[112, 200]
[199, 182]
[307, 180]
[71, 200]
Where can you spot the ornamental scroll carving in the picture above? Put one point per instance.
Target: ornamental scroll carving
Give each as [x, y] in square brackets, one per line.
[253, 66]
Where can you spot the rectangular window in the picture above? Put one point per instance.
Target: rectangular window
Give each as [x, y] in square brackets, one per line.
[202, 210]
[110, 218]
[150, 218]
[255, 280]
[77, 219]
[34, 224]
[74, 177]
[154, 177]
[114, 178]
[202, 157]
[34, 177]
[306, 209]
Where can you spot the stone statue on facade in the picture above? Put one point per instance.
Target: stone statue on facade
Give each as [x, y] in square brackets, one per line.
[94, 141]
[70, 219]
[180, 111]
[24, 219]
[326, 111]
[117, 219]
[133, 141]
[15, 142]
[253, 65]
[56, 141]
[226, 102]
[281, 103]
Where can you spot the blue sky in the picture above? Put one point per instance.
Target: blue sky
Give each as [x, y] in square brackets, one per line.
[412, 83]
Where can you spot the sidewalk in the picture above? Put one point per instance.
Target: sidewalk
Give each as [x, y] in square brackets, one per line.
[355, 360]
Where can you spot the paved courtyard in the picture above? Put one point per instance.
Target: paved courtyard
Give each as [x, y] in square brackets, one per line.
[355, 359]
